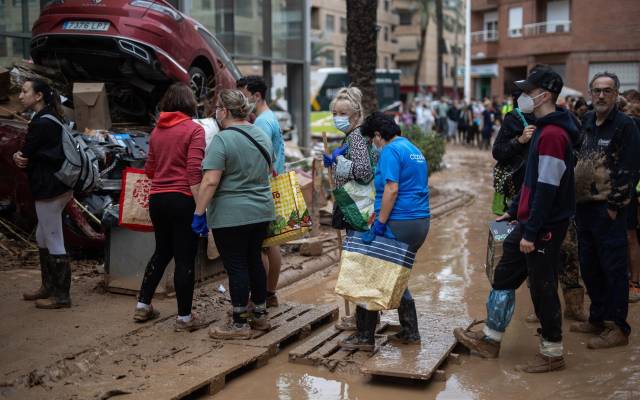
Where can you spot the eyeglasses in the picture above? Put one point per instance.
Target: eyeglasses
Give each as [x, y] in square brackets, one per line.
[605, 91]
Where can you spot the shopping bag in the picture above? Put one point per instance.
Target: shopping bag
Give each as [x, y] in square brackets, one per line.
[374, 275]
[292, 217]
[134, 201]
[356, 201]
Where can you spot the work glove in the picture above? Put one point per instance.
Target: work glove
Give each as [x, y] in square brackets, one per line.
[377, 229]
[199, 224]
[330, 160]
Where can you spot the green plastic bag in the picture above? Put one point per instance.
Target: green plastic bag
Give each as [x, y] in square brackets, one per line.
[356, 202]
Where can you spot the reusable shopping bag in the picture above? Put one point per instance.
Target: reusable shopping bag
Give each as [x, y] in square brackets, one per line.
[134, 201]
[374, 275]
[292, 217]
[356, 201]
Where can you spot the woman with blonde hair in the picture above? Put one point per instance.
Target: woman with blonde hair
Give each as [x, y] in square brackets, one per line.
[236, 195]
[353, 160]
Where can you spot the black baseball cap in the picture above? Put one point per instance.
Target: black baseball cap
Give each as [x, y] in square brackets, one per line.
[542, 77]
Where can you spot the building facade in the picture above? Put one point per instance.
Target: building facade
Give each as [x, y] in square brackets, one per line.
[575, 37]
[329, 34]
[407, 34]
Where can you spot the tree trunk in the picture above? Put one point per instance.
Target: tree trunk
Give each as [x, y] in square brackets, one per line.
[362, 49]
[440, 90]
[423, 45]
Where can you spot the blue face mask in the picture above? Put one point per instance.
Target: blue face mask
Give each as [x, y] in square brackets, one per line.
[342, 123]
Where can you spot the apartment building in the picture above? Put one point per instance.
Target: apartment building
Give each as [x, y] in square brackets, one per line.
[329, 34]
[408, 36]
[576, 37]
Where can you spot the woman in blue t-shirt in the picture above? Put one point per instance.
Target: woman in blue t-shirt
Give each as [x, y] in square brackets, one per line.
[402, 209]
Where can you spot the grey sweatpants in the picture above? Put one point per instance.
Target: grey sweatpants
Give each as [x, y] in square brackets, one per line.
[412, 232]
[49, 231]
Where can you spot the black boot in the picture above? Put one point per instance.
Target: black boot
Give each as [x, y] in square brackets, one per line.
[45, 286]
[60, 273]
[409, 333]
[364, 338]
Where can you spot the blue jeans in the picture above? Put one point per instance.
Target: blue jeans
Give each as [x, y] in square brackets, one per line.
[603, 251]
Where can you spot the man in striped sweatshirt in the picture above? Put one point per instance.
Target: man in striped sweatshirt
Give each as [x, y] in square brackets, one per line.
[543, 209]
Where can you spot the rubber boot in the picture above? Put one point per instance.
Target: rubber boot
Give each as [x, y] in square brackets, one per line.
[409, 333]
[574, 305]
[45, 285]
[60, 272]
[364, 338]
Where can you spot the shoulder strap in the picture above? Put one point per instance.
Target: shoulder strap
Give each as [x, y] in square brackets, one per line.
[54, 119]
[262, 150]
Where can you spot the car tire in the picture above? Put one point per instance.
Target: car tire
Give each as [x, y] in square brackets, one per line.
[198, 82]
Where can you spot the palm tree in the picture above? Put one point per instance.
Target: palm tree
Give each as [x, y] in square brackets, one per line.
[362, 49]
[426, 14]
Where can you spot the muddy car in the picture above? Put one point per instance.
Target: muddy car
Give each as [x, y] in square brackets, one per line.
[137, 47]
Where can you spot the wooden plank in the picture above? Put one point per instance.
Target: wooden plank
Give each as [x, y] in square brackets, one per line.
[305, 349]
[419, 361]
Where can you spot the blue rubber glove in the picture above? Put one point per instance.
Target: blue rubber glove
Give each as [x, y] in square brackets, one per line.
[377, 229]
[199, 225]
[330, 160]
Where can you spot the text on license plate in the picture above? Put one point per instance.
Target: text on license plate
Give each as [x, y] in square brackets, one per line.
[86, 26]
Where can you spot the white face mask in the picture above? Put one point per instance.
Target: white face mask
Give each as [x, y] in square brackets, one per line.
[526, 103]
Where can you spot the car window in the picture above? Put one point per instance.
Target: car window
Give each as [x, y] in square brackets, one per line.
[220, 51]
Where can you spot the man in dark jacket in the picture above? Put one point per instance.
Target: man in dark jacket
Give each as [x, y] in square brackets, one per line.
[543, 208]
[604, 175]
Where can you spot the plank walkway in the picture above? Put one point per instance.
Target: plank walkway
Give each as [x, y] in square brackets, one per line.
[154, 362]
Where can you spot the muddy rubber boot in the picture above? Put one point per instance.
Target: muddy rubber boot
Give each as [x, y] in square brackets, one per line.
[364, 338]
[60, 271]
[409, 333]
[611, 336]
[587, 327]
[541, 364]
[45, 286]
[574, 305]
[477, 341]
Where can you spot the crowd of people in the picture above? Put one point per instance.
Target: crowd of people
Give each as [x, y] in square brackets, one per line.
[565, 177]
[577, 170]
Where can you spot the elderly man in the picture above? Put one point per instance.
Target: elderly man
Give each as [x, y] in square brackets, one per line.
[604, 173]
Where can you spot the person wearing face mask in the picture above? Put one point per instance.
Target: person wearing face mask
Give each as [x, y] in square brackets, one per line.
[402, 210]
[542, 212]
[604, 175]
[236, 194]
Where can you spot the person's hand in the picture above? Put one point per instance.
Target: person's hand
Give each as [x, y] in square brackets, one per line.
[19, 160]
[526, 246]
[504, 217]
[377, 229]
[612, 214]
[199, 224]
[527, 133]
[330, 160]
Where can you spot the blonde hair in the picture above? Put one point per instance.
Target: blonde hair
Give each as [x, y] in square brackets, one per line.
[236, 103]
[353, 96]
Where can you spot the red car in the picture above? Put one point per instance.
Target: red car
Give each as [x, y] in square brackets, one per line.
[137, 47]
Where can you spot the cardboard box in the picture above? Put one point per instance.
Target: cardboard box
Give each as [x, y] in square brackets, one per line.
[91, 106]
[498, 232]
[5, 84]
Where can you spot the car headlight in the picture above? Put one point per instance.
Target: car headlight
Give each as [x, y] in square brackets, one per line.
[166, 10]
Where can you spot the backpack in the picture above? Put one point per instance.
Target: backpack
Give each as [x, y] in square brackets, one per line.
[80, 169]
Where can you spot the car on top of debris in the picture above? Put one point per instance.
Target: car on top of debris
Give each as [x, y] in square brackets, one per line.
[137, 47]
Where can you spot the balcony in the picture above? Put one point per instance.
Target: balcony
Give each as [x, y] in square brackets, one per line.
[484, 44]
[484, 36]
[483, 5]
[547, 28]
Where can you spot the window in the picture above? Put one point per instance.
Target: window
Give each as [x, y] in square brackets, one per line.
[628, 73]
[329, 58]
[386, 62]
[557, 16]
[407, 69]
[329, 23]
[386, 33]
[446, 69]
[515, 22]
[343, 25]
[386, 5]
[343, 60]
[405, 17]
[315, 18]
[491, 25]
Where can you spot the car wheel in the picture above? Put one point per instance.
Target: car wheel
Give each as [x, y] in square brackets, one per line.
[198, 82]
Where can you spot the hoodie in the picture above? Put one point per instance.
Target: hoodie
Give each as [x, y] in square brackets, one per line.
[547, 196]
[176, 150]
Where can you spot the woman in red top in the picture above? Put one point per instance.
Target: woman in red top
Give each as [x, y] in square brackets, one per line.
[176, 149]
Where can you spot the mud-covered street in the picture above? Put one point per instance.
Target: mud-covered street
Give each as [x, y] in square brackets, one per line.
[449, 275]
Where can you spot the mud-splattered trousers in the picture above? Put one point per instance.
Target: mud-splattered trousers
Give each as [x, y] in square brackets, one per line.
[569, 268]
[171, 214]
[541, 267]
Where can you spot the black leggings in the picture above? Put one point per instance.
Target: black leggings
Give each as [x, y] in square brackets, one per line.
[240, 249]
[171, 214]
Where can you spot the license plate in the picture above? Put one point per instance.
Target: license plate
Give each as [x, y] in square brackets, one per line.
[86, 26]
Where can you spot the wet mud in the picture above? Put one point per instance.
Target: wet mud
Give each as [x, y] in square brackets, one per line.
[449, 277]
